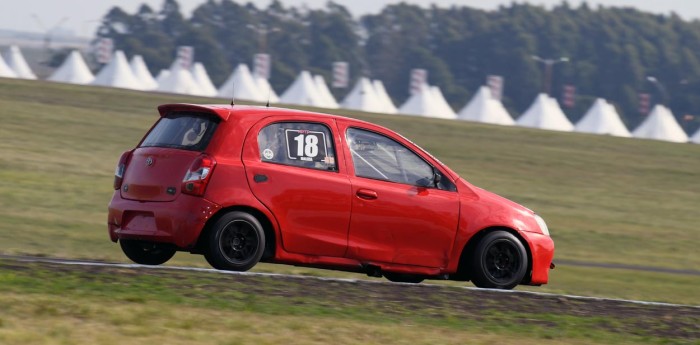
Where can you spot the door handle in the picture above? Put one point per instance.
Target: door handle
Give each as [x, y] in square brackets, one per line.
[366, 194]
[259, 178]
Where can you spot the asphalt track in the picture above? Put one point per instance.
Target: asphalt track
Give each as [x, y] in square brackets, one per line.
[74, 262]
[627, 267]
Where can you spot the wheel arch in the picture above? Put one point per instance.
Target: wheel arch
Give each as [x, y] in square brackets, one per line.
[463, 267]
[268, 228]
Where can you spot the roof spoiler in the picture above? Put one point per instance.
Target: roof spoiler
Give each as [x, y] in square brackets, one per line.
[222, 113]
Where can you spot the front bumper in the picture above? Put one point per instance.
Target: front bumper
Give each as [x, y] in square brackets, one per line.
[542, 250]
[177, 222]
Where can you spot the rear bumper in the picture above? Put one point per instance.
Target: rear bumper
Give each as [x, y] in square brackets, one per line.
[178, 222]
[542, 250]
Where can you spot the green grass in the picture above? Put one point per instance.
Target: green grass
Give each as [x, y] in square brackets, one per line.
[105, 305]
[605, 199]
[47, 319]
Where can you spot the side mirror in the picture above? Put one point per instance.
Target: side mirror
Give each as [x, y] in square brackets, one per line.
[433, 181]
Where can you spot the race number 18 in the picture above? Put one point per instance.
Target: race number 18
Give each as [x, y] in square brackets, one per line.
[306, 145]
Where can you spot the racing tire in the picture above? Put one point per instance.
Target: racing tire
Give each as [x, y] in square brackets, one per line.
[403, 278]
[499, 261]
[236, 242]
[147, 253]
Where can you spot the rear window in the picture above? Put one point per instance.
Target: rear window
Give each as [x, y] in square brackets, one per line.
[180, 130]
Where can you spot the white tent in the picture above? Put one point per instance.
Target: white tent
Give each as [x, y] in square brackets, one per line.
[424, 103]
[661, 125]
[5, 70]
[267, 90]
[201, 76]
[559, 113]
[484, 108]
[117, 73]
[241, 85]
[164, 73]
[363, 97]
[303, 91]
[545, 113]
[326, 95]
[73, 70]
[388, 106]
[602, 118]
[16, 61]
[445, 108]
[138, 67]
[179, 80]
[695, 138]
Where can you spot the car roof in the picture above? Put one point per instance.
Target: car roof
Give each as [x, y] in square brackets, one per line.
[225, 112]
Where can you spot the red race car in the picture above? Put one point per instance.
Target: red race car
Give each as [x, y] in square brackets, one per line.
[246, 184]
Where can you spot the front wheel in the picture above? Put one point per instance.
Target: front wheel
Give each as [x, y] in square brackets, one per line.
[147, 253]
[499, 261]
[236, 242]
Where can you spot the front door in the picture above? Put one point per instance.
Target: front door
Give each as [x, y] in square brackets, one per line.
[399, 214]
[294, 172]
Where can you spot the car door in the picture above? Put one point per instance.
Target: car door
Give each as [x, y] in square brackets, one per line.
[293, 169]
[399, 215]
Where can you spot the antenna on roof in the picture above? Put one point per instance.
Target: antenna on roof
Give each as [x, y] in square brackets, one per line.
[233, 92]
[269, 90]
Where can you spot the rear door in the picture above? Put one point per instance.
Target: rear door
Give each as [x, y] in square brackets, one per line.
[398, 214]
[158, 165]
[293, 168]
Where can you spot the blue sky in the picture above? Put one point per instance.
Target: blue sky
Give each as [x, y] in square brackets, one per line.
[81, 16]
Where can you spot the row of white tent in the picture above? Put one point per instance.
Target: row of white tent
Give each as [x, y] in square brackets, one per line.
[367, 95]
[602, 118]
[13, 65]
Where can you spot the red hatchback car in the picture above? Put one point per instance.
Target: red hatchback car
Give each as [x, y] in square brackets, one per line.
[246, 184]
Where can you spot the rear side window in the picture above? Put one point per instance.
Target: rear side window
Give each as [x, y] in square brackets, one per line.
[181, 130]
[307, 145]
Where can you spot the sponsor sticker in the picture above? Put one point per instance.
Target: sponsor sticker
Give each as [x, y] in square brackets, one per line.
[268, 154]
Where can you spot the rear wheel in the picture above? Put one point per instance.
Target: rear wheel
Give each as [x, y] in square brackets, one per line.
[499, 261]
[402, 277]
[236, 242]
[147, 253]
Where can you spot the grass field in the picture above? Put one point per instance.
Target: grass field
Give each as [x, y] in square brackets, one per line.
[608, 200]
[56, 304]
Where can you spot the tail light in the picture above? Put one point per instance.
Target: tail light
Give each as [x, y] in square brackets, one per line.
[119, 171]
[198, 175]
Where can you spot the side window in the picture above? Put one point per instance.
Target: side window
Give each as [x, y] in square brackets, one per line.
[378, 157]
[301, 144]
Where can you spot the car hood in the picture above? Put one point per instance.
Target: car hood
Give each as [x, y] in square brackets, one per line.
[489, 197]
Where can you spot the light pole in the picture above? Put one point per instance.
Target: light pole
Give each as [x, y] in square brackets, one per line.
[660, 87]
[262, 30]
[548, 63]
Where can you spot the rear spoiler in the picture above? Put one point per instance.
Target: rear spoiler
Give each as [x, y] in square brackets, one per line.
[223, 112]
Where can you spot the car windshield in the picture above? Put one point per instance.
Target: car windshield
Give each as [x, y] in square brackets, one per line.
[180, 130]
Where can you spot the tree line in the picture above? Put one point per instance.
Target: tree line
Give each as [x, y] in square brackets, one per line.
[611, 50]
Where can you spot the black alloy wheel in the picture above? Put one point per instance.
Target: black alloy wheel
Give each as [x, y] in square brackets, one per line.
[499, 261]
[147, 253]
[236, 242]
